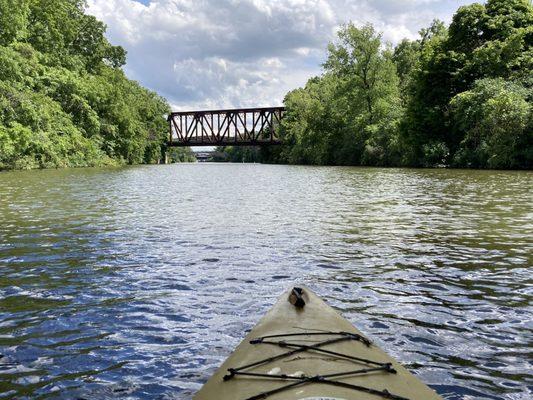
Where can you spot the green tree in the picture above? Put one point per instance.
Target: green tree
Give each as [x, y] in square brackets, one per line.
[13, 20]
[349, 115]
[495, 119]
[310, 129]
[484, 41]
[64, 101]
[405, 57]
[366, 73]
[367, 87]
[181, 154]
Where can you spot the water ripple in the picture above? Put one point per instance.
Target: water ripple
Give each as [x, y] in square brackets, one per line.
[138, 282]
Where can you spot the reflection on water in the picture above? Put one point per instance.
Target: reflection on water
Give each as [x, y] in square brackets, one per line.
[138, 282]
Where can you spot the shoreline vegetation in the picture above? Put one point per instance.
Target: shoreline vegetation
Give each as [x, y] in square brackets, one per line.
[64, 98]
[459, 96]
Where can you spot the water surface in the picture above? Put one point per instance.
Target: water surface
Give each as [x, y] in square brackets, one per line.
[136, 283]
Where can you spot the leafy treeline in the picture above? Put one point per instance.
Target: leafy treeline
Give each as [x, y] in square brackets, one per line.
[180, 154]
[64, 100]
[458, 96]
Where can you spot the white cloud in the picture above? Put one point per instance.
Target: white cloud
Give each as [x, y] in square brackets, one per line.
[232, 53]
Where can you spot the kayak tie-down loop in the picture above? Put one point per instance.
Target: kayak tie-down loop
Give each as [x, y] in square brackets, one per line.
[353, 336]
[323, 380]
[314, 348]
[233, 371]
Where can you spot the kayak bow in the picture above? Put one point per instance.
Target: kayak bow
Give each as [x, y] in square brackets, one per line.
[303, 350]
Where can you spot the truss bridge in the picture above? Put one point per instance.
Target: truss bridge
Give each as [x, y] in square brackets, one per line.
[237, 127]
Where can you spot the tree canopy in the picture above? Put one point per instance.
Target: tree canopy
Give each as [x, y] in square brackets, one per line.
[458, 96]
[64, 100]
[492, 41]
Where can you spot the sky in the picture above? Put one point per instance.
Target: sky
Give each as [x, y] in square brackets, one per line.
[209, 54]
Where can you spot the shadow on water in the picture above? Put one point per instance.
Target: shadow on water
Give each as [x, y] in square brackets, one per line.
[138, 282]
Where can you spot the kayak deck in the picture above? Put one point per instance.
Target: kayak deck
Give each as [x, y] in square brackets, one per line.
[310, 353]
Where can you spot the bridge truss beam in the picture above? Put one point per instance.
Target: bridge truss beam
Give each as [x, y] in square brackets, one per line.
[239, 127]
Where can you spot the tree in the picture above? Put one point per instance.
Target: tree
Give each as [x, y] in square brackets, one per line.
[367, 88]
[310, 128]
[495, 119]
[367, 72]
[437, 29]
[505, 17]
[13, 20]
[64, 101]
[181, 154]
[466, 32]
[484, 41]
[405, 57]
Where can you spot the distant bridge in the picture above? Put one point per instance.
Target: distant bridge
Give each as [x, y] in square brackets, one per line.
[238, 127]
[205, 156]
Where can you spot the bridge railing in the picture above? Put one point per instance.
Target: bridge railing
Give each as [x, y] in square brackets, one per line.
[236, 127]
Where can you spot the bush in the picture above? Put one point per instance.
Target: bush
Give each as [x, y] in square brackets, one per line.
[495, 121]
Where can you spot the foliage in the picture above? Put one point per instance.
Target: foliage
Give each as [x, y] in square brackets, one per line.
[347, 116]
[64, 101]
[458, 96]
[496, 120]
[405, 57]
[483, 41]
[237, 154]
[181, 154]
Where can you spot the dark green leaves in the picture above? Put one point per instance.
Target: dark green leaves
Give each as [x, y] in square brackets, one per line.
[63, 99]
[454, 97]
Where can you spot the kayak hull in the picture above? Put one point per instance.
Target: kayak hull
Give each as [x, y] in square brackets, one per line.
[312, 325]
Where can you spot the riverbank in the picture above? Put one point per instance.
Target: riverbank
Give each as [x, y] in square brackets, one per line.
[252, 161]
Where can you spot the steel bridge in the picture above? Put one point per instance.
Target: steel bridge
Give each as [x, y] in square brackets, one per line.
[238, 127]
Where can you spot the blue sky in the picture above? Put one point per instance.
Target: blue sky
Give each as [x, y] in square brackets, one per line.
[245, 53]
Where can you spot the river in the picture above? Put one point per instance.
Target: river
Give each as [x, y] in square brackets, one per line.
[136, 283]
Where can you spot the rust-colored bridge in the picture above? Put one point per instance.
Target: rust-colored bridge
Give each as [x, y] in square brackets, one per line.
[239, 127]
